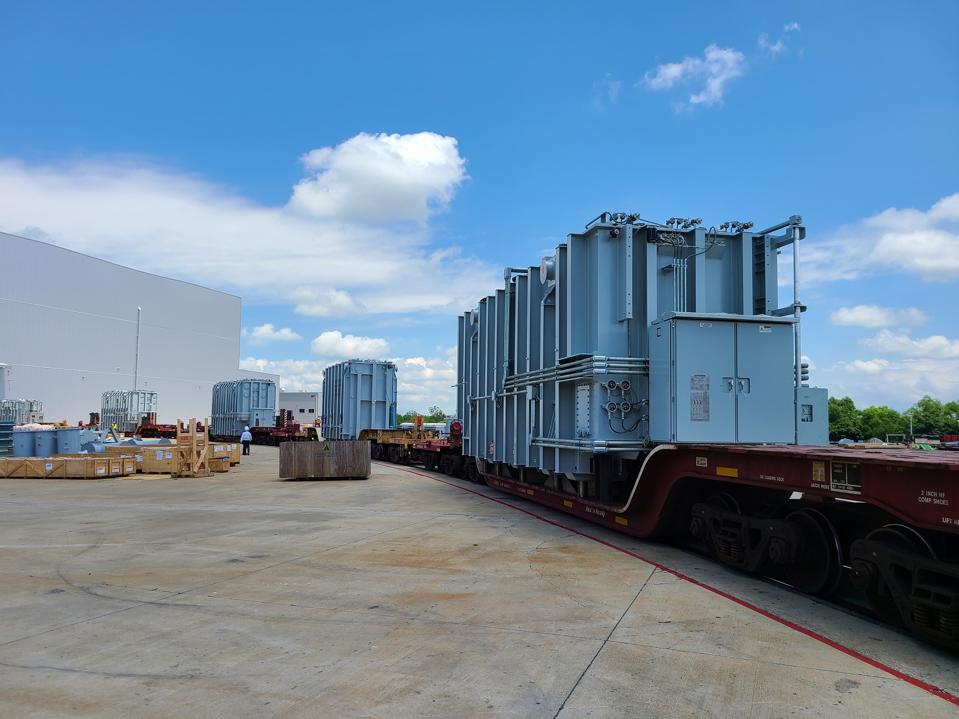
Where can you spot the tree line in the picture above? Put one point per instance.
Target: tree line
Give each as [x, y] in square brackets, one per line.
[927, 418]
[433, 414]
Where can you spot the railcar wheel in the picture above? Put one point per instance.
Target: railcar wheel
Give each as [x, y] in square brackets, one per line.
[472, 472]
[724, 500]
[878, 593]
[818, 567]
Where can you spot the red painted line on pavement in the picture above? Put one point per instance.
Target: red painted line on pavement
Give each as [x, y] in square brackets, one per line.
[914, 681]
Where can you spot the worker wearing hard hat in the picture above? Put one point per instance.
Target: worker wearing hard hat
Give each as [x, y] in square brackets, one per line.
[245, 440]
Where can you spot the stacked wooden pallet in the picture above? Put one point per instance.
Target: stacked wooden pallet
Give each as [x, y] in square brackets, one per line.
[192, 449]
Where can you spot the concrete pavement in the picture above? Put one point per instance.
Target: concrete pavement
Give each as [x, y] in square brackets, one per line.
[243, 596]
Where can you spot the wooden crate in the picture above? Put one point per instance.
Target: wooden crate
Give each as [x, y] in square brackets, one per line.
[230, 451]
[98, 467]
[325, 459]
[220, 464]
[90, 466]
[158, 459]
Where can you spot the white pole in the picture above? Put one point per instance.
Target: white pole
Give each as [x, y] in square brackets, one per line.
[136, 359]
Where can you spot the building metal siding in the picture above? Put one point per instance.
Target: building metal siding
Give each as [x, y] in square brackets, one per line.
[68, 326]
[304, 405]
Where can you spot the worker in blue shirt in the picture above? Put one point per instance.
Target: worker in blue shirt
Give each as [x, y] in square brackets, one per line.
[245, 440]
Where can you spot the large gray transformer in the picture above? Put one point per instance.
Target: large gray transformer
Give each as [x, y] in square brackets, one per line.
[358, 394]
[636, 333]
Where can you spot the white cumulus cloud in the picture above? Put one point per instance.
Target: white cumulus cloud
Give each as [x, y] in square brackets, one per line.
[315, 302]
[425, 381]
[262, 334]
[871, 367]
[903, 370]
[898, 383]
[876, 316]
[352, 234]
[924, 243]
[376, 178]
[711, 73]
[335, 344]
[421, 381]
[296, 375]
[901, 343]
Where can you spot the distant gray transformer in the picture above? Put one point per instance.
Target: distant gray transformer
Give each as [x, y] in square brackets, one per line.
[124, 409]
[242, 403]
[357, 395]
[636, 333]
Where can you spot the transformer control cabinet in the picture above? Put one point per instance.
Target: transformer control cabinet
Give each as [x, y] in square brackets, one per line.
[721, 379]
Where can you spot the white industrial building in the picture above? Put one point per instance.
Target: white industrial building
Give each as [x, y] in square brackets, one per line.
[303, 405]
[74, 326]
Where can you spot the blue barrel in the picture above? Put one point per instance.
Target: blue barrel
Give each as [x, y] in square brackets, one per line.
[44, 443]
[23, 444]
[68, 440]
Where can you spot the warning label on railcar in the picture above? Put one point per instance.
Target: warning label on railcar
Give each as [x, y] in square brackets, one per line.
[819, 474]
[933, 496]
[845, 478]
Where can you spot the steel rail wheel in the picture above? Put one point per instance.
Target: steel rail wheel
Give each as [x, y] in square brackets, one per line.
[818, 565]
[878, 593]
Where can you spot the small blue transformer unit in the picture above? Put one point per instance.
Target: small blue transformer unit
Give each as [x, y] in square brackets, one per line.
[636, 333]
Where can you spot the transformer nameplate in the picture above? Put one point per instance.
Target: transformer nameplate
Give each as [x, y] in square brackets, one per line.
[699, 398]
[584, 393]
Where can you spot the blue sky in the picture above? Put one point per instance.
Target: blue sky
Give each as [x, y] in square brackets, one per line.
[359, 174]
